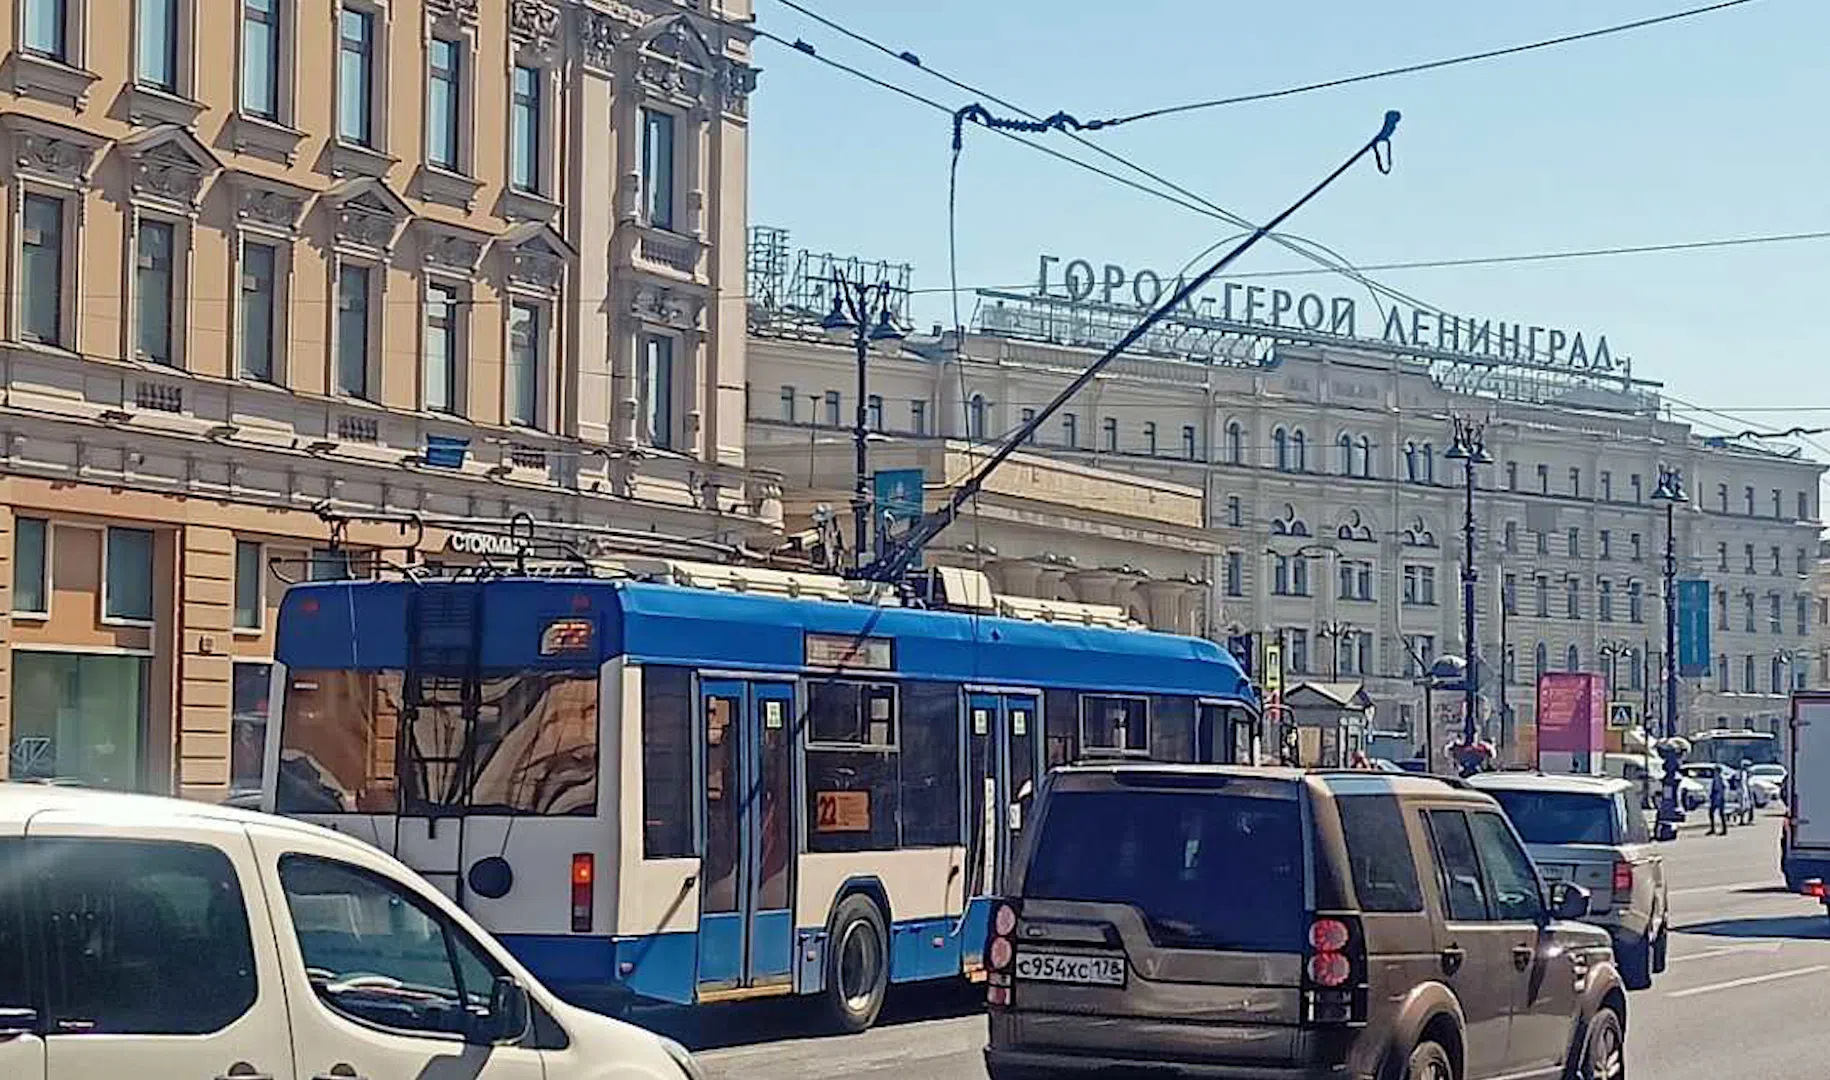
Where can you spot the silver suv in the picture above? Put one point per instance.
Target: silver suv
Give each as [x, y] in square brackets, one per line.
[1590, 831]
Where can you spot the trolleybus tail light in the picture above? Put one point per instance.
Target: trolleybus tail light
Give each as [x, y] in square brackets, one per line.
[1623, 878]
[1000, 954]
[1331, 996]
[584, 879]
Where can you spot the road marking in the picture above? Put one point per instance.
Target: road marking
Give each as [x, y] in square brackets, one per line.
[1695, 889]
[1728, 950]
[1752, 980]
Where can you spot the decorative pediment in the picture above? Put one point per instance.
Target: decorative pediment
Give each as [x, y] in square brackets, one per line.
[452, 12]
[534, 24]
[665, 305]
[442, 247]
[48, 151]
[169, 164]
[535, 256]
[673, 60]
[601, 32]
[266, 203]
[367, 213]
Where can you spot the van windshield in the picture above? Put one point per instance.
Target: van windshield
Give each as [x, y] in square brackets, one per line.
[1206, 869]
[1556, 817]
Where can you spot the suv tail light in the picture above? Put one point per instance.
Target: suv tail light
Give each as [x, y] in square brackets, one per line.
[584, 884]
[1334, 991]
[1000, 953]
[1623, 878]
[1814, 888]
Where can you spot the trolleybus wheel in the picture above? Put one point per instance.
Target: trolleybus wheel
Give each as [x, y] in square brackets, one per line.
[857, 965]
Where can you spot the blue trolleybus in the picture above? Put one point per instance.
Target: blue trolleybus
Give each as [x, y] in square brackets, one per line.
[658, 792]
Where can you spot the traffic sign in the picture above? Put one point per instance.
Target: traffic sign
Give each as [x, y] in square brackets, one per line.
[1273, 669]
[1623, 715]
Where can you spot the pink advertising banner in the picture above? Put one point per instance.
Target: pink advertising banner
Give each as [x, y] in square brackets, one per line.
[1572, 713]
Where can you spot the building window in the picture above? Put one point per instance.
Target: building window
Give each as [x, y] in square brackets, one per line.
[1722, 557]
[658, 168]
[1510, 536]
[1298, 661]
[1235, 573]
[1748, 494]
[1419, 652]
[1108, 435]
[1025, 418]
[259, 309]
[1280, 449]
[1572, 598]
[1778, 561]
[1637, 486]
[353, 329]
[1070, 430]
[1544, 479]
[1572, 659]
[918, 417]
[1345, 445]
[248, 725]
[1636, 602]
[657, 382]
[79, 717]
[1775, 617]
[1723, 682]
[1747, 611]
[788, 405]
[1721, 609]
[831, 403]
[1543, 542]
[873, 412]
[156, 27]
[1804, 562]
[260, 58]
[1804, 506]
[1235, 512]
[1607, 486]
[526, 351]
[1722, 497]
[1512, 476]
[356, 76]
[1605, 601]
[524, 131]
[31, 566]
[1747, 551]
[41, 301]
[1747, 674]
[249, 607]
[1420, 585]
[1299, 451]
[441, 360]
[1777, 504]
[1188, 442]
[127, 576]
[1540, 589]
[1575, 483]
[46, 27]
[1804, 615]
[975, 417]
[1150, 437]
[444, 103]
[1605, 544]
[1575, 543]
[153, 281]
[1235, 443]
[1540, 659]
[330, 564]
[1633, 543]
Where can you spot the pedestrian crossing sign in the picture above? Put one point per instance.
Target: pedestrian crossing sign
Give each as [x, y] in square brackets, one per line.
[1622, 715]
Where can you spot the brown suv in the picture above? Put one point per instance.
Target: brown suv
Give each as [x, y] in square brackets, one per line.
[1235, 922]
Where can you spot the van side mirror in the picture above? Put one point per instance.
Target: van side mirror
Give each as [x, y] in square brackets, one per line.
[1568, 901]
[507, 1016]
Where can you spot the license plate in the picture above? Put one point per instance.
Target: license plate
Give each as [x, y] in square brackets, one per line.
[1067, 968]
[1556, 873]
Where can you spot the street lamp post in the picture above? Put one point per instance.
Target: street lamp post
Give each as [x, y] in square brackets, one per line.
[862, 313]
[1670, 491]
[1334, 632]
[1469, 448]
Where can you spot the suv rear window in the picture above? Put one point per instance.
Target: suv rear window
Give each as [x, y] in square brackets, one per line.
[1206, 869]
[1379, 854]
[1559, 817]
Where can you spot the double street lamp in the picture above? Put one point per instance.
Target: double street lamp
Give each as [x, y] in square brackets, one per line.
[1469, 448]
[864, 313]
[1670, 491]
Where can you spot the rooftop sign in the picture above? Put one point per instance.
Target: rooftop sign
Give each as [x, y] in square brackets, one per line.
[1262, 307]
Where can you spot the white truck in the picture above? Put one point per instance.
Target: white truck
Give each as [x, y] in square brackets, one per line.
[1804, 847]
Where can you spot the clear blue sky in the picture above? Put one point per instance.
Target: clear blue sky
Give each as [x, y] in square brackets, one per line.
[1704, 128]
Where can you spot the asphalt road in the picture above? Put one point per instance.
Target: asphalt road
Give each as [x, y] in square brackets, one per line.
[1745, 995]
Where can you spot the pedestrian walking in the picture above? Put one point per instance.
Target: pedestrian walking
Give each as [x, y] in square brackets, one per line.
[1718, 801]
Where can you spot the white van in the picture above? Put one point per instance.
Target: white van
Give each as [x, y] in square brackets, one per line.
[159, 938]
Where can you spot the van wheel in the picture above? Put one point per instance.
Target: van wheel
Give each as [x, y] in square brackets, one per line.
[857, 965]
[1429, 1062]
[1635, 964]
[1604, 1049]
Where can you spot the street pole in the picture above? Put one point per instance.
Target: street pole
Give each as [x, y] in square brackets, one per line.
[1670, 491]
[1505, 656]
[864, 313]
[1469, 447]
[860, 491]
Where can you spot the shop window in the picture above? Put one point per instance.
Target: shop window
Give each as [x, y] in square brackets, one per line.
[667, 763]
[249, 605]
[1114, 723]
[78, 717]
[149, 938]
[127, 583]
[248, 725]
[930, 764]
[31, 566]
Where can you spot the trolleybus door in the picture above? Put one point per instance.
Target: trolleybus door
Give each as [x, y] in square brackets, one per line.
[1004, 740]
[746, 916]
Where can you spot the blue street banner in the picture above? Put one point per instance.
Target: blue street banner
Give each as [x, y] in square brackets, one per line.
[898, 497]
[1693, 628]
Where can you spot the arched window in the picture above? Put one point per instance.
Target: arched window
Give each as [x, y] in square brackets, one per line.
[1540, 659]
[1428, 456]
[975, 417]
[1235, 443]
[1411, 470]
[1779, 675]
[1299, 450]
[1365, 468]
[1572, 659]
[1280, 448]
[1345, 444]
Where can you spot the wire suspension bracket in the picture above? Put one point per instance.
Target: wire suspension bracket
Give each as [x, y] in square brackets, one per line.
[897, 557]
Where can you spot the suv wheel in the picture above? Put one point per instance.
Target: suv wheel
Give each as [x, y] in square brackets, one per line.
[1430, 1062]
[1661, 950]
[1604, 1051]
[1635, 961]
[857, 965]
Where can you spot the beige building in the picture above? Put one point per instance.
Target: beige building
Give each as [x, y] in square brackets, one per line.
[454, 258]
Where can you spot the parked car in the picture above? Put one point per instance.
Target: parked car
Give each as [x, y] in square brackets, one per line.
[1591, 831]
[163, 938]
[1774, 775]
[1271, 922]
[1702, 773]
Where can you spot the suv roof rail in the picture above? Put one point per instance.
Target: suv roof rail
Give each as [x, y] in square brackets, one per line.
[1452, 781]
